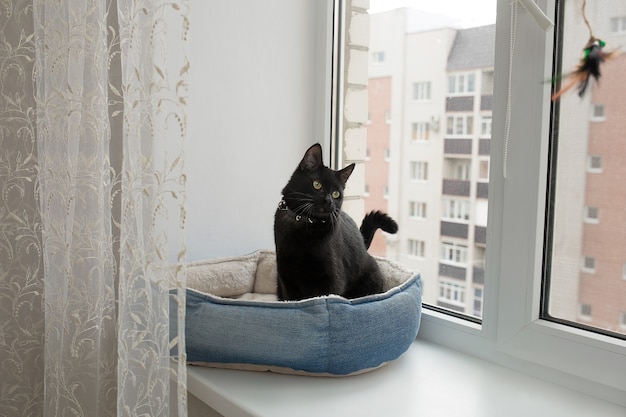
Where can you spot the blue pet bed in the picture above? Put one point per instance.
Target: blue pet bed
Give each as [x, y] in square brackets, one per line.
[233, 320]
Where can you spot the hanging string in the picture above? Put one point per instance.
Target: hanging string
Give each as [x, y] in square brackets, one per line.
[507, 119]
[584, 13]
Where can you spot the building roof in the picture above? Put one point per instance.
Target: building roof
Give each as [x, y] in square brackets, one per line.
[473, 48]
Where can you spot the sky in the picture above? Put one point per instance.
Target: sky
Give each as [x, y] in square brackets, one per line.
[469, 13]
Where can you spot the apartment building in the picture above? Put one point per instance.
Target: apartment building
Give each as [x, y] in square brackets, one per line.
[428, 145]
[430, 102]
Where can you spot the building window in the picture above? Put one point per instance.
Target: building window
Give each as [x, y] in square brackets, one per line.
[386, 192]
[478, 302]
[454, 253]
[618, 24]
[455, 209]
[462, 83]
[388, 116]
[421, 91]
[585, 311]
[460, 125]
[592, 215]
[366, 191]
[622, 320]
[419, 171]
[416, 248]
[420, 131]
[624, 272]
[485, 126]
[589, 264]
[452, 292]
[483, 169]
[378, 57]
[594, 164]
[417, 209]
[597, 113]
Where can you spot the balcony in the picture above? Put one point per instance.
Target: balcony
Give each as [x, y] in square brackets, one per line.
[460, 103]
[452, 229]
[451, 271]
[478, 275]
[482, 190]
[484, 146]
[480, 235]
[486, 102]
[457, 146]
[456, 187]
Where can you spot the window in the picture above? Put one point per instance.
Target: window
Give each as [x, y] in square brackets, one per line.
[594, 164]
[419, 171]
[589, 264]
[622, 319]
[515, 328]
[483, 169]
[478, 302]
[597, 113]
[618, 24]
[416, 248]
[378, 57]
[453, 253]
[591, 215]
[460, 125]
[420, 131]
[417, 209]
[485, 126]
[585, 311]
[456, 209]
[421, 91]
[461, 83]
[452, 292]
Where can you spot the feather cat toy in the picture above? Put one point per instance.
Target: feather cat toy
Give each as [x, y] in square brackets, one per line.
[589, 66]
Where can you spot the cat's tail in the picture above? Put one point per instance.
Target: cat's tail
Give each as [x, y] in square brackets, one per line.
[375, 220]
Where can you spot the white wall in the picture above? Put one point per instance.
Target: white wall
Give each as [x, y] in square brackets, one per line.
[259, 96]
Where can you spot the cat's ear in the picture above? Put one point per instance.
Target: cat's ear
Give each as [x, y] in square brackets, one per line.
[344, 174]
[312, 158]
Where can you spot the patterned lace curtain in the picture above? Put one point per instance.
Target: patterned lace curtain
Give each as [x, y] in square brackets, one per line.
[92, 124]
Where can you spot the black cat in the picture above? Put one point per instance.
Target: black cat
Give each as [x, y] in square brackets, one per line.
[319, 248]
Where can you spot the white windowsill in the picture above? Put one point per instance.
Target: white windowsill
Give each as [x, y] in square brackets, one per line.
[428, 380]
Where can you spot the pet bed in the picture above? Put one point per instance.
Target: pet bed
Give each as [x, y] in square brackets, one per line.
[233, 320]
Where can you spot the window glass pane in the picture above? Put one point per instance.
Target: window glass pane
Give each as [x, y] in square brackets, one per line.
[587, 246]
[435, 163]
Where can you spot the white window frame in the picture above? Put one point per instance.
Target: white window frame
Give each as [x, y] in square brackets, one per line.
[598, 113]
[594, 164]
[459, 84]
[416, 248]
[592, 215]
[618, 24]
[456, 209]
[420, 131]
[417, 210]
[453, 253]
[455, 289]
[460, 124]
[422, 91]
[512, 333]
[419, 171]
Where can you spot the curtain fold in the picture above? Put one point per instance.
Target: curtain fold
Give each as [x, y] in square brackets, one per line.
[92, 249]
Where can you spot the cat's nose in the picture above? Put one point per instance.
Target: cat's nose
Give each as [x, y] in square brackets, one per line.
[328, 202]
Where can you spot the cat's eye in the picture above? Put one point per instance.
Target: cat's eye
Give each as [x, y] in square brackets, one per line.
[336, 194]
[317, 185]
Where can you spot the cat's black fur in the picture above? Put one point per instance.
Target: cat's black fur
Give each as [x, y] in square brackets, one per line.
[319, 248]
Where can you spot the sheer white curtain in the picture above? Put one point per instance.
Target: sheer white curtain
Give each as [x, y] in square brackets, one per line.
[92, 250]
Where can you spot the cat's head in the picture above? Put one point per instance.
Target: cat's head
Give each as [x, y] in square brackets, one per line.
[314, 190]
